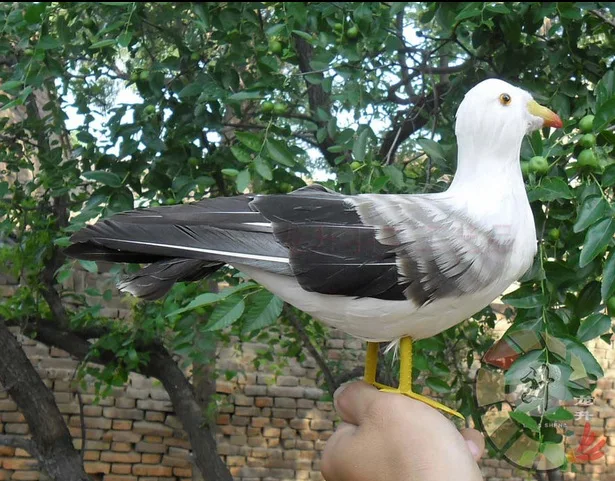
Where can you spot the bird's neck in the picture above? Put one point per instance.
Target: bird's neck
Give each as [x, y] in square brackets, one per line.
[487, 168]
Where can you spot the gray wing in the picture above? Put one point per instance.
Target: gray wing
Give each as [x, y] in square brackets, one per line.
[440, 251]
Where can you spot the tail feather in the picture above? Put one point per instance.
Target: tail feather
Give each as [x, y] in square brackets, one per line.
[182, 243]
[155, 280]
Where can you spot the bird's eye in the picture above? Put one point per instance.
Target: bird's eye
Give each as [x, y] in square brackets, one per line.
[505, 99]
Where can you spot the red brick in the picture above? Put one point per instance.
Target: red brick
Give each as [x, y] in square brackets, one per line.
[150, 459]
[122, 436]
[4, 475]
[175, 461]
[122, 425]
[150, 470]
[97, 468]
[20, 464]
[7, 451]
[121, 447]
[13, 428]
[183, 472]
[26, 476]
[12, 417]
[150, 448]
[118, 413]
[91, 455]
[263, 402]
[154, 416]
[128, 458]
[122, 477]
[121, 469]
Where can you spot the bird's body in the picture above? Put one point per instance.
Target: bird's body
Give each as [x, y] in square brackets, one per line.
[379, 267]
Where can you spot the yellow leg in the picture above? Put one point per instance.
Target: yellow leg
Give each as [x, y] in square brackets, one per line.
[405, 375]
[371, 363]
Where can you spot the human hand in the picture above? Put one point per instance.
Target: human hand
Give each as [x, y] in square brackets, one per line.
[390, 437]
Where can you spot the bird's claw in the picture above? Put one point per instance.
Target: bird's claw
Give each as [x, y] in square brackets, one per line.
[419, 397]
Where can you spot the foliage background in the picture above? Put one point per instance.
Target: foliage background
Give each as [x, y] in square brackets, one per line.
[267, 96]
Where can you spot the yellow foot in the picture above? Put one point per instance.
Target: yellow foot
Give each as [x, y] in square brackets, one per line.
[419, 397]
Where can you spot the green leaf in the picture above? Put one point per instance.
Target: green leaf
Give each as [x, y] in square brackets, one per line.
[359, 149]
[263, 169]
[433, 149]
[11, 85]
[106, 178]
[199, 301]
[225, 314]
[124, 39]
[263, 310]
[594, 326]
[4, 188]
[592, 210]
[103, 43]
[551, 188]
[560, 414]
[47, 43]
[241, 154]
[524, 299]
[245, 95]
[303, 35]
[89, 266]
[190, 90]
[230, 172]
[597, 239]
[280, 153]
[604, 115]
[608, 278]
[576, 351]
[62, 241]
[251, 141]
[525, 420]
[437, 384]
[395, 174]
[243, 180]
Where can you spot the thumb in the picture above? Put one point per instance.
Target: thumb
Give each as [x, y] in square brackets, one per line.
[352, 401]
[475, 441]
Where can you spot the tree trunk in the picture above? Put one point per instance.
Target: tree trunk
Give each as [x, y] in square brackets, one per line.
[53, 445]
[163, 367]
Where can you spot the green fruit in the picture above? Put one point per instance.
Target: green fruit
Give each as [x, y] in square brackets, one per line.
[525, 168]
[587, 158]
[279, 108]
[193, 161]
[338, 27]
[539, 165]
[144, 75]
[267, 107]
[28, 52]
[275, 47]
[149, 109]
[587, 141]
[352, 32]
[195, 56]
[356, 165]
[586, 124]
[610, 305]
[134, 76]
[554, 234]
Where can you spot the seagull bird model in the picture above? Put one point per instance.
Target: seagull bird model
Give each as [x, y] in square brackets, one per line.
[379, 267]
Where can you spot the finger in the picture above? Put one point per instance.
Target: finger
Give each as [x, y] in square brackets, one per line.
[475, 441]
[352, 400]
[333, 460]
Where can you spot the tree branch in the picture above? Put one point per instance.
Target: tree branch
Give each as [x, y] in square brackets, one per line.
[332, 384]
[160, 366]
[317, 97]
[603, 17]
[19, 442]
[54, 447]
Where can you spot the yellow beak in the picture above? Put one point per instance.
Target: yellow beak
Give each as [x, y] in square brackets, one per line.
[551, 119]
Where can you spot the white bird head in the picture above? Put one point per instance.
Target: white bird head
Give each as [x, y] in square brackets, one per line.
[495, 110]
[494, 116]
